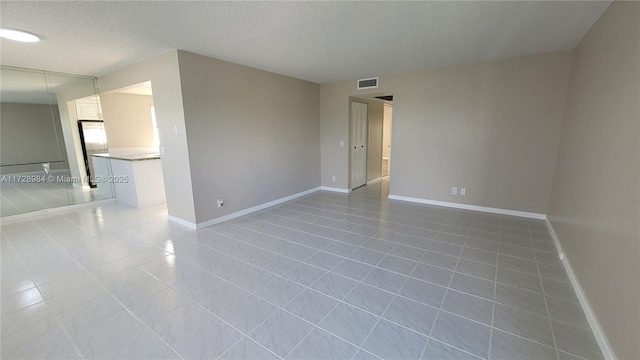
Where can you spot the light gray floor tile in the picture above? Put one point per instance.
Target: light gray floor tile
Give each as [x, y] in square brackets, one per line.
[208, 341]
[220, 270]
[417, 242]
[523, 323]
[385, 280]
[221, 298]
[397, 264]
[280, 291]
[432, 274]
[311, 306]
[445, 248]
[368, 298]
[559, 290]
[390, 341]
[576, 340]
[248, 349]
[248, 313]
[439, 260]
[407, 252]
[486, 245]
[437, 350]
[412, 314]
[469, 306]
[324, 260]
[553, 272]
[519, 279]
[367, 256]
[505, 346]
[322, 345]
[482, 256]
[462, 333]
[352, 269]
[521, 299]
[424, 292]
[566, 311]
[334, 285]
[474, 268]
[349, 323]
[516, 251]
[281, 333]
[379, 245]
[518, 264]
[304, 274]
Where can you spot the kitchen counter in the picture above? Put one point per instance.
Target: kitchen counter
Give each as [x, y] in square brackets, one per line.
[137, 157]
[137, 179]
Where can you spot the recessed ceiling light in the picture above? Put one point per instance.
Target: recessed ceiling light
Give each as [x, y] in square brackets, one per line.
[18, 35]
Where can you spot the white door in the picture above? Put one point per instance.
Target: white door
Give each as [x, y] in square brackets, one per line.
[358, 144]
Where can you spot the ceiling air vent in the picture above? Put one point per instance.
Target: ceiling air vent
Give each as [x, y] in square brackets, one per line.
[370, 83]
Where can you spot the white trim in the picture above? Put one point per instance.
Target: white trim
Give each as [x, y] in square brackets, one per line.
[605, 347]
[335, 189]
[56, 210]
[254, 208]
[179, 221]
[470, 207]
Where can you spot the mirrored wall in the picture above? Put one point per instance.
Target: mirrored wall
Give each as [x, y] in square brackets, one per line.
[50, 126]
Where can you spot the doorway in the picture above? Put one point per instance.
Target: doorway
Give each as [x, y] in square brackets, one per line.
[369, 139]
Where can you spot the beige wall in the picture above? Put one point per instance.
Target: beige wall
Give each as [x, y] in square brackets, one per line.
[253, 135]
[127, 120]
[30, 133]
[595, 200]
[164, 75]
[492, 128]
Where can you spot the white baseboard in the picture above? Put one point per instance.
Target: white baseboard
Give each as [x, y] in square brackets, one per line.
[605, 347]
[470, 207]
[254, 209]
[335, 189]
[56, 210]
[182, 222]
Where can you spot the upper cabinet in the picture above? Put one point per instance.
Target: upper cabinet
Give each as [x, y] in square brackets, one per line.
[89, 109]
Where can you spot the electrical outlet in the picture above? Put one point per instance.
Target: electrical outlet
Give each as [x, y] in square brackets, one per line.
[220, 203]
[333, 178]
[341, 142]
[454, 191]
[463, 191]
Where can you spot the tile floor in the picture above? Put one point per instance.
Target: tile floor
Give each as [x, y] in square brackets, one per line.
[18, 198]
[327, 276]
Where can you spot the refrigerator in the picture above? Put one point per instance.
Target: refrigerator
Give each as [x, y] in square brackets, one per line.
[94, 141]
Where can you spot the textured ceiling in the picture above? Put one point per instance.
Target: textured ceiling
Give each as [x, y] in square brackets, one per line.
[316, 41]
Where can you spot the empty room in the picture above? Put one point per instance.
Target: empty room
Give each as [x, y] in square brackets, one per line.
[320, 180]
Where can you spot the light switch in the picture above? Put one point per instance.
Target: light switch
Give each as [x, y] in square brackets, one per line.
[341, 142]
[176, 130]
[163, 150]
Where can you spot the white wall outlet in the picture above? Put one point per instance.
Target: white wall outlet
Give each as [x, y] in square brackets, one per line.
[463, 191]
[220, 203]
[163, 150]
[176, 130]
[454, 191]
[333, 178]
[341, 142]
